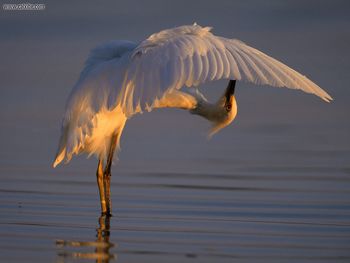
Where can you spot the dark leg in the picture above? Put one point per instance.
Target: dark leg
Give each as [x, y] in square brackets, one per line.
[107, 174]
[103, 233]
[107, 182]
[101, 187]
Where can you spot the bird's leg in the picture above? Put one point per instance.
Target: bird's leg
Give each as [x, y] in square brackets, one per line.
[107, 174]
[101, 187]
[103, 233]
[107, 184]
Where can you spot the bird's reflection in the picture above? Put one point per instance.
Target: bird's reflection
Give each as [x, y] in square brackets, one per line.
[70, 249]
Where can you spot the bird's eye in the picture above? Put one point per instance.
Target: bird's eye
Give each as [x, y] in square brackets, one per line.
[228, 107]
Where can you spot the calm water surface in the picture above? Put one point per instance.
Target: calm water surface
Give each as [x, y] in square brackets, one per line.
[275, 215]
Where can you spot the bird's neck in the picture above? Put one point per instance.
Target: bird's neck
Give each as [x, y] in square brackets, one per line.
[209, 111]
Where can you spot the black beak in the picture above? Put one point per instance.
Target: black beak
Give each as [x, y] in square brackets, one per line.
[230, 90]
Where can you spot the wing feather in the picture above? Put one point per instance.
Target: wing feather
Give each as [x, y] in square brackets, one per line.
[99, 83]
[219, 64]
[191, 55]
[234, 69]
[206, 67]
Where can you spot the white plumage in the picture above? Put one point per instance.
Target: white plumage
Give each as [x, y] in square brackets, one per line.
[122, 78]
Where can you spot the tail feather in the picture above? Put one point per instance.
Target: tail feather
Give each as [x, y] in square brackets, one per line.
[62, 149]
[59, 157]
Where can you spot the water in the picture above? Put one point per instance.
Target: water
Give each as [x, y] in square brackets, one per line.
[271, 187]
[246, 216]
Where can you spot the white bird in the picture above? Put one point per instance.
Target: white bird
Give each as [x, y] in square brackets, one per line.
[121, 79]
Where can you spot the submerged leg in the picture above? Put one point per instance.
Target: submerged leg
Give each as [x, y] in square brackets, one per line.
[107, 174]
[102, 252]
[101, 186]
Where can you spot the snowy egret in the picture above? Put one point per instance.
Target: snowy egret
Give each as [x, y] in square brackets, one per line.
[121, 78]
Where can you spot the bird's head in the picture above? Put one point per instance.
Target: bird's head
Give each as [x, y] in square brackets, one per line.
[220, 114]
[226, 109]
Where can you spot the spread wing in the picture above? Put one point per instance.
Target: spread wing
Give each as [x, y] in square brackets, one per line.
[191, 55]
